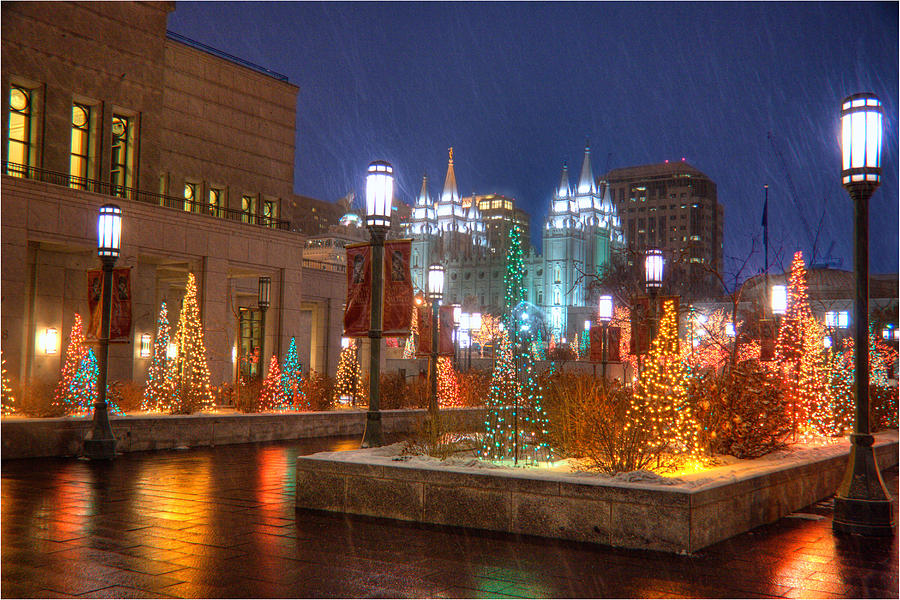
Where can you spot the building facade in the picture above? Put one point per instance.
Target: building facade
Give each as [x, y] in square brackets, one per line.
[103, 105]
[672, 206]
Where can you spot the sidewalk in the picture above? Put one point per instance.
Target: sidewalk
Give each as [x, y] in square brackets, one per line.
[220, 522]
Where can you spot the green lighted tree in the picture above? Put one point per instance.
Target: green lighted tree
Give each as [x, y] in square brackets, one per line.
[159, 393]
[75, 351]
[292, 378]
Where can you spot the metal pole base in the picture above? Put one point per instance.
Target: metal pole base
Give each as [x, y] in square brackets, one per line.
[862, 504]
[100, 449]
[373, 437]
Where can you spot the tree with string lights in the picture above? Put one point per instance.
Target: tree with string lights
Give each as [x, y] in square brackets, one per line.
[189, 369]
[292, 377]
[448, 383]
[272, 396]
[7, 400]
[348, 385]
[159, 393]
[75, 352]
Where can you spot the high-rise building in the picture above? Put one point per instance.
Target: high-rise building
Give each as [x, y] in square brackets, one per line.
[672, 206]
[499, 214]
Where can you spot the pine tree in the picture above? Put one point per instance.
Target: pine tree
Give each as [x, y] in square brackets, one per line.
[516, 424]
[660, 404]
[272, 395]
[190, 373]
[448, 383]
[159, 393]
[348, 380]
[409, 348]
[74, 354]
[292, 378]
[83, 386]
[7, 400]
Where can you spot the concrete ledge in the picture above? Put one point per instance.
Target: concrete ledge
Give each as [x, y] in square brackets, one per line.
[33, 438]
[705, 509]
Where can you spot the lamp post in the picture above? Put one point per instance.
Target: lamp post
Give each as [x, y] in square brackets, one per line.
[435, 293]
[862, 504]
[379, 195]
[474, 325]
[101, 443]
[457, 318]
[654, 265]
[464, 320]
[605, 314]
[265, 283]
[779, 299]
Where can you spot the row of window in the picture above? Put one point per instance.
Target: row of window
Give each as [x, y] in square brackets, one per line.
[214, 201]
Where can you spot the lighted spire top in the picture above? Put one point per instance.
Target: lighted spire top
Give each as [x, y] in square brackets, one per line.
[564, 190]
[450, 193]
[423, 200]
[586, 181]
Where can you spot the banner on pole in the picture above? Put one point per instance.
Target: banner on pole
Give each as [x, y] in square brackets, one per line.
[596, 344]
[423, 317]
[613, 339]
[445, 330]
[640, 326]
[120, 304]
[358, 311]
[398, 289]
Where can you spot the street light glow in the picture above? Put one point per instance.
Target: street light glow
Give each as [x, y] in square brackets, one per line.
[379, 194]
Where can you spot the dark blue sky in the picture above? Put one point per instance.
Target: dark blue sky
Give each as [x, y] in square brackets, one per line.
[517, 88]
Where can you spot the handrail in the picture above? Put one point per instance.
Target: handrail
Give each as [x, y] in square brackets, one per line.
[128, 193]
[230, 57]
[319, 265]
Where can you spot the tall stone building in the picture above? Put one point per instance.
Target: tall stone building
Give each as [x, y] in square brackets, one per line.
[672, 206]
[103, 105]
[581, 230]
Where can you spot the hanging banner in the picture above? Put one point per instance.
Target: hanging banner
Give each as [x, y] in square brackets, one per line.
[612, 344]
[398, 289]
[445, 330]
[423, 322]
[596, 344]
[640, 326]
[120, 305]
[613, 338]
[359, 291]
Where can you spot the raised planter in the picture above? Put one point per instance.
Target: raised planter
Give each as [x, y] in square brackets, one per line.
[32, 438]
[672, 518]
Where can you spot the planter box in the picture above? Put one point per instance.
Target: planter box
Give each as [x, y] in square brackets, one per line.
[672, 518]
[32, 438]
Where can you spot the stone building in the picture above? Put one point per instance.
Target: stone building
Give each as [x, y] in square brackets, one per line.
[103, 105]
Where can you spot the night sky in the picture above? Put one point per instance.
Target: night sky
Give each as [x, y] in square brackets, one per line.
[517, 89]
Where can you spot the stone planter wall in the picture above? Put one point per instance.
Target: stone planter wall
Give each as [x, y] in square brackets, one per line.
[656, 517]
[31, 438]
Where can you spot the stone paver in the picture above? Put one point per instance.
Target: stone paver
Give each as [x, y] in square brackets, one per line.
[221, 523]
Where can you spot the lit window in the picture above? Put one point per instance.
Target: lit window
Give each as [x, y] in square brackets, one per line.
[20, 144]
[80, 153]
[270, 212]
[248, 209]
[837, 319]
[190, 196]
[214, 201]
[121, 154]
[557, 274]
[557, 297]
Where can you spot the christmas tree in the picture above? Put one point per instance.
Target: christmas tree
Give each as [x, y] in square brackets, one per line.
[272, 396]
[516, 423]
[74, 354]
[189, 371]
[7, 401]
[292, 378]
[83, 386]
[348, 381]
[409, 348]
[448, 383]
[159, 393]
[660, 404]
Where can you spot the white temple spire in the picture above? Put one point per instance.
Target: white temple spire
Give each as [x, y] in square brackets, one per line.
[586, 180]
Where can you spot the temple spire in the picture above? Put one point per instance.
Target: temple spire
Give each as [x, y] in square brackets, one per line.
[450, 193]
[564, 191]
[422, 200]
[586, 181]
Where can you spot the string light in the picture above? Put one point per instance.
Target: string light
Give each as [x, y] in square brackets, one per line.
[159, 392]
[189, 369]
[292, 378]
[7, 400]
[75, 352]
[272, 396]
[448, 383]
[348, 380]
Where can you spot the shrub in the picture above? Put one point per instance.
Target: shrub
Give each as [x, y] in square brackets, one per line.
[399, 392]
[742, 412]
[319, 390]
[127, 395]
[883, 407]
[435, 437]
[473, 387]
[246, 395]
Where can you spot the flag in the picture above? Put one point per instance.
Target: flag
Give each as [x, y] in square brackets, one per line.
[120, 304]
[359, 291]
[398, 289]
[423, 318]
[445, 330]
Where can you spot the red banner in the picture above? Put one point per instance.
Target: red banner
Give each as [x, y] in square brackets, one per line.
[640, 326]
[613, 338]
[423, 317]
[120, 306]
[398, 289]
[596, 344]
[445, 330]
[359, 291]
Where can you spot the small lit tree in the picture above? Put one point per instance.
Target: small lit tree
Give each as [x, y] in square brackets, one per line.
[75, 352]
[292, 377]
[272, 396]
[7, 401]
[159, 393]
[348, 380]
[190, 373]
[448, 383]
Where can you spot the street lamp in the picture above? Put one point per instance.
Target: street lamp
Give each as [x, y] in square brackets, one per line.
[457, 316]
[435, 293]
[605, 314]
[654, 266]
[779, 299]
[379, 195]
[265, 284]
[101, 443]
[862, 504]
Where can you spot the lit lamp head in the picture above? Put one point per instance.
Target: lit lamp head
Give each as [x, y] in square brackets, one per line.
[861, 130]
[654, 263]
[465, 320]
[379, 195]
[779, 299]
[605, 309]
[435, 282]
[145, 345]
[109, 232]
[265, 284]
[475, 322]
[457, 314]
[587, 324]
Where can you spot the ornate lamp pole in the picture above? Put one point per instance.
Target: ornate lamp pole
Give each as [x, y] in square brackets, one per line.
[457, 317]
[862, 504]
[435, 293]
[654, 265]
[474, 325]
[605, 314]
[464, 332]
[265, 283]
[101, 443]
[379, 195]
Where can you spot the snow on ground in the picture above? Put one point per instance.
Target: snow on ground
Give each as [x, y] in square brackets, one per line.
[727, 470]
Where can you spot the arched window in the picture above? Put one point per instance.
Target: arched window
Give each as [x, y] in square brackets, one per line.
[557, 274]
[557, 297]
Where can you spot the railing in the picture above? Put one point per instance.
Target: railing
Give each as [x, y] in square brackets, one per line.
[128, 193]
[324, 266]
[230, 57]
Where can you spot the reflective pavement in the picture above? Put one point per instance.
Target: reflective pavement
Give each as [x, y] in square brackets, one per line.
[220, 522]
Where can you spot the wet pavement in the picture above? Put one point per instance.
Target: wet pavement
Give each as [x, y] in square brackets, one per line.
[221, 522]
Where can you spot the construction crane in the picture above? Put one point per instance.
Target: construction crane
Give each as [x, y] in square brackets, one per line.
[812, 239]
